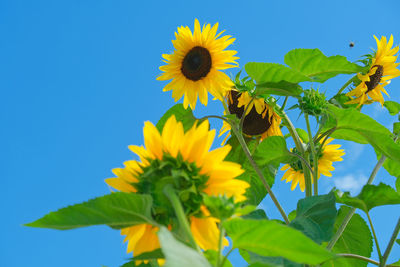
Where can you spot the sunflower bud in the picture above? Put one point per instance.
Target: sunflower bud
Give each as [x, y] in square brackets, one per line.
[313, 102]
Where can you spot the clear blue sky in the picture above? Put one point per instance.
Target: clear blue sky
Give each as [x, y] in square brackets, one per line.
[77, 81]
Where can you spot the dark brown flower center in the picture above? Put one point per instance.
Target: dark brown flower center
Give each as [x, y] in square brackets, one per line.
[197, 63]
[375, 78]
[254, 123]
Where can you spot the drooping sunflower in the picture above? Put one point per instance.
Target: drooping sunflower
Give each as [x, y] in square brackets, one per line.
[195, 64]
[260, 118]
[326, 156]
[383, 69]
[183, 160]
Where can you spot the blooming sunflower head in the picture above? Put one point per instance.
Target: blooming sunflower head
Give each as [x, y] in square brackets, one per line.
[383, 68]
[196, 63]
[326, 156]
[184, 161]
[260, 118]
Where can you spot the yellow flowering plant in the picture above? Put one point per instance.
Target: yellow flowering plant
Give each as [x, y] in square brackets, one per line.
[177, 203]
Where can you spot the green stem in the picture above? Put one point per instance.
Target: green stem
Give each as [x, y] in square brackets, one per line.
[220, 243]
[340, 231]
[350, 214]
[260, 174]
[390, 245]
[346, 84]
[314, 155]
[180, 214]
[213, 117]
[226, 256]
[284, 103]
[300, 148]
[376, 239]
[246, 150]
[359, 257]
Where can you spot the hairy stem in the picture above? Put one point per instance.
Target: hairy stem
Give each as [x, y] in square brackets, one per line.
[374, 234]
[300, 148]
[246, 150]
[180, 214]
[390, 245]
[314, 155]
[350, 214]
[359, 257]
[220, 243]
[346, 84]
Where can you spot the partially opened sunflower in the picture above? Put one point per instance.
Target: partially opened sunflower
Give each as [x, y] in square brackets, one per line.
[183, 160]
[326, 156]
[260, 118]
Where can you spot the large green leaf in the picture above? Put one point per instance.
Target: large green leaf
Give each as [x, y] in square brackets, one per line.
[117, 210]
[256, 192]
[371, 196]
[269, 238]
[177, 253]
[279, 88]
[315, 217]
[181, 114]
[318, 67]
[391, 166]
[393, 107]
[263, 261]
[273, 73]
[356, 239]
[354, 126]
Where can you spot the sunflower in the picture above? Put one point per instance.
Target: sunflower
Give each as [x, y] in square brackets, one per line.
[382, 70]
[327, 155]
[261, 119]
[195, 65]
[183, 160]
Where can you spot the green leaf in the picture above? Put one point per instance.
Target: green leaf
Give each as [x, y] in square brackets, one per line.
[354, 126]
[316, 216]
[318, 67]
[397, 263]
[262, 261]
[356, 239]
[371, 196]
[117, 210]
[398, 185]
[181, 114]
[269, 238]
[132, 263]
[396, 128]
[212, 255]
[177, 253]
[273, 73]
[303, 135]
[272, 149]
[398, 241]
[278, 88]
[393, 107]
[256, 192]
[258, 214]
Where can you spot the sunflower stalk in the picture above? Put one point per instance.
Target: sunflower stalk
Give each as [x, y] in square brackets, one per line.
[391, 243]
[180, 214]
[246, 150]
[300, 148]
[220, 244]
[314, 155]
[346, 84]
[378, 249]
[350, 214]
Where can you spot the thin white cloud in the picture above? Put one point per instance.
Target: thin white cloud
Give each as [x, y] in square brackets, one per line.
[350, 182]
